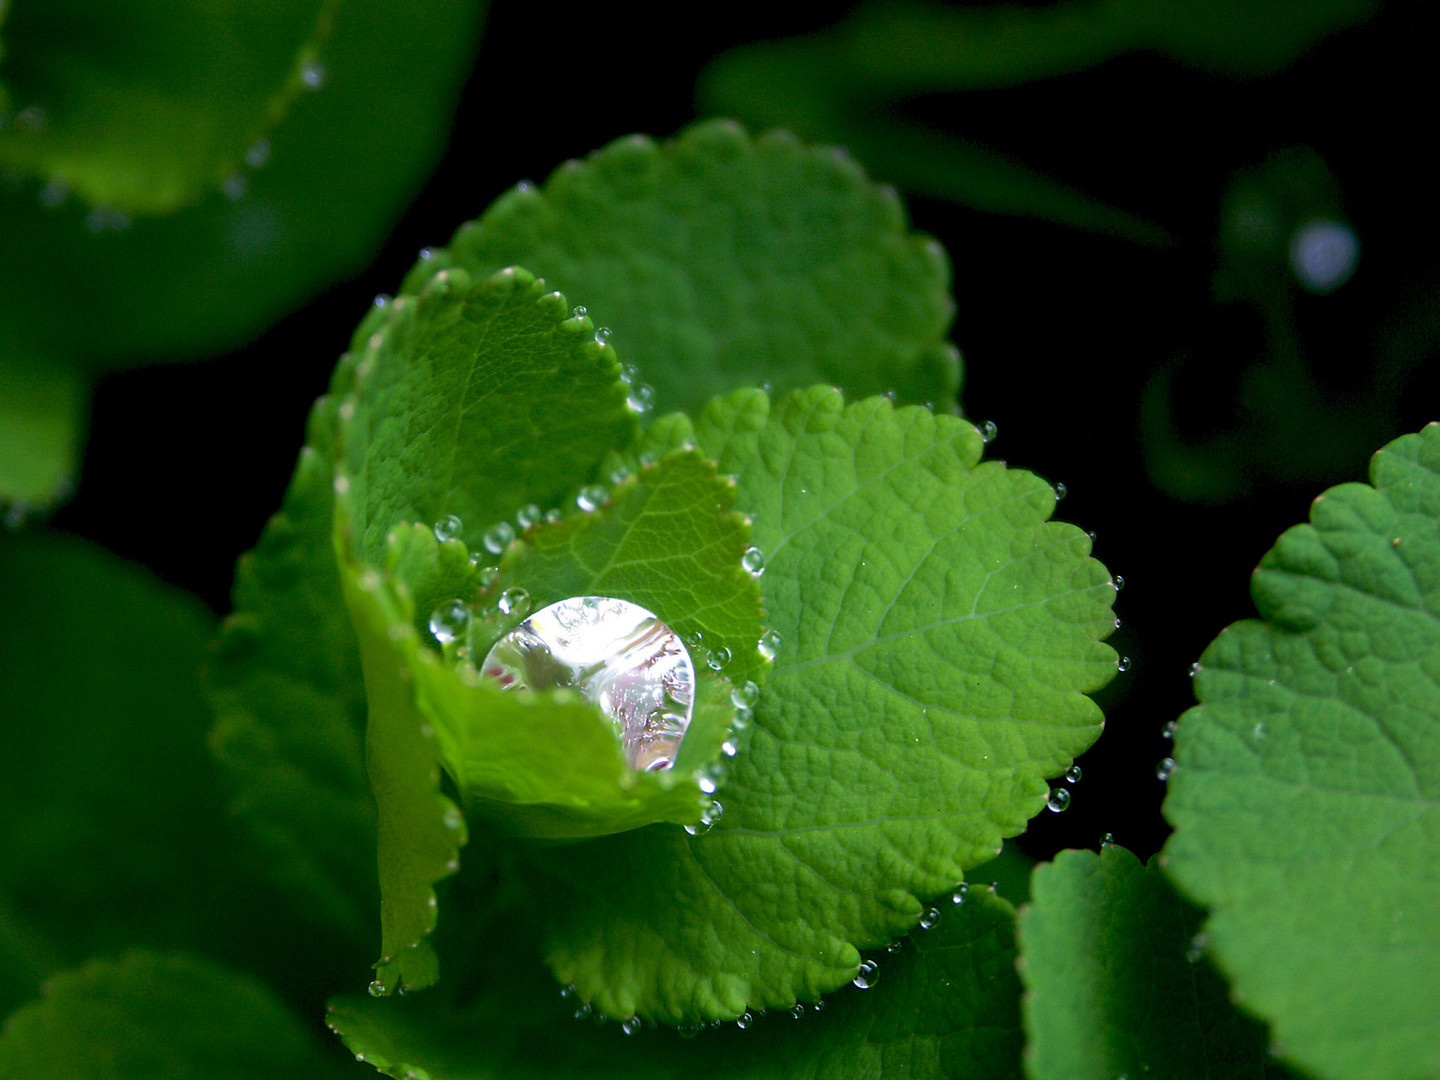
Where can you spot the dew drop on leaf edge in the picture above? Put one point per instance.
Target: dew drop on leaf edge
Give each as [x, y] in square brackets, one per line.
[867, 975]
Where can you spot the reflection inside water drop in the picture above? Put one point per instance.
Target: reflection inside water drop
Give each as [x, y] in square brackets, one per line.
[618, 655]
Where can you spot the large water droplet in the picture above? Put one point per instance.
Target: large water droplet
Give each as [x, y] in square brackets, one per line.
[930, 919]
[753, 561]
[745, 695]
[527, 517]
[618, 655]
[716, 659]
[1059, 799]
[961, 890]
[449, 621]
[988, 431]
[1073, 774]
[1165, 768]
[630, 1025]
[868, 975]
[602, 335]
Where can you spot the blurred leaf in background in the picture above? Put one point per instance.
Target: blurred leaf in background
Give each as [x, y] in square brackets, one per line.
[179, 179]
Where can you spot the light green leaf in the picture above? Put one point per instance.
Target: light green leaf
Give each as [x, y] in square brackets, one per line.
[725, 260]
[473, 400]
[284, 681]
[936, 637]
[469, 401]
[1308, 779]
[945, 1005]
[549, 764]
[1116, 982]
[157, 1016]
[142, 105]
[112, 831]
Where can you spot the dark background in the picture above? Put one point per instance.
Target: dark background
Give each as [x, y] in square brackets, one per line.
[1060, 329]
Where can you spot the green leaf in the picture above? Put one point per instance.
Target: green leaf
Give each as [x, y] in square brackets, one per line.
[155, 1016]
[316, 205]
[936, 635]
[724, 260]
[285, 684]
[112, 832]
[946, 1005]
[469, 401]
[1116, 984]
[141, 105]
[1304, 799]
[42, 421]
[549, 764]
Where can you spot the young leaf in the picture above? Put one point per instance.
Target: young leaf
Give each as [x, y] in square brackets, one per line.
[692, 247]
[936, 636]
[1304, 798]
[945, 1005]
[549, 764]
[42, 423]
[152, 1015]
[1116, 982]
[142, 105]
[469, 401]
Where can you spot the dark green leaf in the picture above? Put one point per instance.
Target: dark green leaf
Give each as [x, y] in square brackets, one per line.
[945, 1005]
[1117, 985]
[1308, 778]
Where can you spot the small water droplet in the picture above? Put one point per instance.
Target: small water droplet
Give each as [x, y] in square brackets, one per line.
[743, 715]
[449, 621]
[448, 528]
[1258, 732]
[381, 299]
[930, 919]
[1197, 947]
[1107, 839]
[641, 397]
[630, 1025]
[1194, 669]
[514, 601]
[602, 335]
[579, 312]
[867, 975]
[453, 818]
[1165, 768]
[1059, 799]
[583, 1011]
[312, 74]
[527, 517]
[706, 783]
[498, 537]
[1168, 731]
[753, 561]
[707, 819]
[819, 1006]
[729, 749]
[894, 946]
[590, 497]
[1123, 664]
[1118, 582]
[1073, 774]
[797, 1011]
[961, 891]
[988, 431]
[377, 989]
[54, 193]
[553, 516]
[745, 695]
[769, 644]
[1060, 491]
[716, 659]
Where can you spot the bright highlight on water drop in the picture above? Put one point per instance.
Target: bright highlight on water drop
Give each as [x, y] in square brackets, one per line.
[616, 654]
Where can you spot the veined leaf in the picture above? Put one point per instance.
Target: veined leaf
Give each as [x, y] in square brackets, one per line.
[935, 638]
[693, 246]
[1306, 795]
[945, 1005]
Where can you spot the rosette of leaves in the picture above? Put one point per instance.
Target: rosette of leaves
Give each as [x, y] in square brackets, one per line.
[920, 635]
